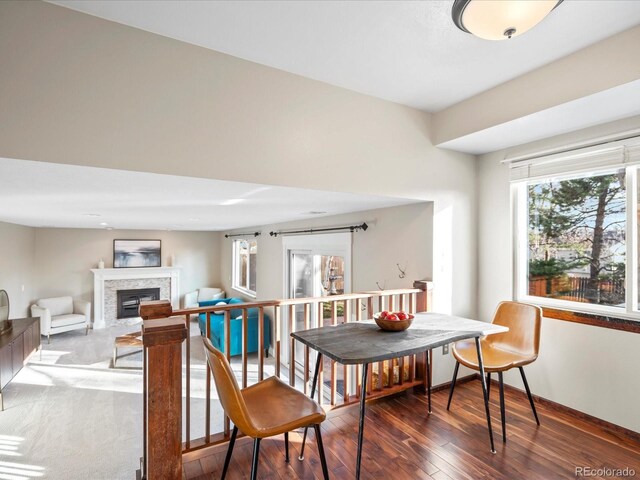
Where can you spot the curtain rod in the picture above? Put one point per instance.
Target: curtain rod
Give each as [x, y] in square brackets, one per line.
[351, 228]
[246, 234]
[604, 140]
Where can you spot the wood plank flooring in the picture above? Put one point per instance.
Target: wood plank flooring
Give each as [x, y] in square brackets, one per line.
[402, 442]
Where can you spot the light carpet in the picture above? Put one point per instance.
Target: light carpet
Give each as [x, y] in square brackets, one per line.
[70, 415]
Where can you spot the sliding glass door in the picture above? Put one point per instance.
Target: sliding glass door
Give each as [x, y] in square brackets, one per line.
[315, 266]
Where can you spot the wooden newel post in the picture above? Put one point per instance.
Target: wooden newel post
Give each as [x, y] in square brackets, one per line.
[162, 340]
[423, 300]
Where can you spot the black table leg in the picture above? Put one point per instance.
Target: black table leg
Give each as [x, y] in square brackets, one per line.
[428, 373]
[313, 392]
[363, 398]
[483, 379]
[453, 383]
[286, 447]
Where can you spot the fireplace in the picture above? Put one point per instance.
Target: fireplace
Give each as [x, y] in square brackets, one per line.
[128, 301]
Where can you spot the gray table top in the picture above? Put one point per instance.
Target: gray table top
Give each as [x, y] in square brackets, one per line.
[365, 342]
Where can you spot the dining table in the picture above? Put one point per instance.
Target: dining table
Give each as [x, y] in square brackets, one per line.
[364, 343]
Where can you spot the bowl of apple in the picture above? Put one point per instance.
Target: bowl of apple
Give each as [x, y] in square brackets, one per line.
[393, 321]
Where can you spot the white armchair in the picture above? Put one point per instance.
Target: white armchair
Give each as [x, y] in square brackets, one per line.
[61, 314]
[192, 299]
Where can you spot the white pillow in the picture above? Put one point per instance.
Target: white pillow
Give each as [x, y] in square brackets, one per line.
[220, 303]
[205, 294]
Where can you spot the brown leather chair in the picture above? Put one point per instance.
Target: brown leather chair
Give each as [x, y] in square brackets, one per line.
[268, 408]
[503, 351]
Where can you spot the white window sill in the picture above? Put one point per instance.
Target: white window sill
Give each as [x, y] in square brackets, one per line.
[244, 291]
[578, 307]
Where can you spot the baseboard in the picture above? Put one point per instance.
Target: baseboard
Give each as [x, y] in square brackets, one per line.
[616, 430]
[460, 380]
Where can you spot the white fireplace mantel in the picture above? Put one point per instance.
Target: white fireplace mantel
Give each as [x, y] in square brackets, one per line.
[100, 275]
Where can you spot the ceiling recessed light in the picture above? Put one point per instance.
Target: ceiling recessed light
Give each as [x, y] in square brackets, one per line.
[232, 201]
[316, 212]
[92, 215]
[103, 224]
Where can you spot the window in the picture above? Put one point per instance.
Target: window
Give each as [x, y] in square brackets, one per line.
[577, 236]
[244, 266]
[576, 233]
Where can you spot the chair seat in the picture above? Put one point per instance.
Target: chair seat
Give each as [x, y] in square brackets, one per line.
[278, 408]
[495, 359]
[66, 320]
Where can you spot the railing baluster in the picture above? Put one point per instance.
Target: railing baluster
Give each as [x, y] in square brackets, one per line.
[412, 300]
[207, 431]
[321, 372]
[401, 302]
[334, 369]
[278, 334]
[292, 347]
[245, 334]
[227, 351]
[346, 380]
[306, 349]
[412, 368]
[187, 403]
[392, 303]
[261, 343]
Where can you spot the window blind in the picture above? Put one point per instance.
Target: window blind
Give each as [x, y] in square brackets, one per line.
[617, 155]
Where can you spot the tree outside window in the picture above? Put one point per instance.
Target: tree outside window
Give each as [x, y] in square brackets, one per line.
[576, 239]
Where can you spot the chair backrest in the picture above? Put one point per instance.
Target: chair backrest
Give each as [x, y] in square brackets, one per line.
[207, 293]
[228, 389]
[57, 305]
[524, 322]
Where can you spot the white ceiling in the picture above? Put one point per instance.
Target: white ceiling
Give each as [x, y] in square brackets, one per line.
[42, 194]
[404, 51]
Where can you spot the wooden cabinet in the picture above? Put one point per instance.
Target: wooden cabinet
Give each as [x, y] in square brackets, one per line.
[6, 365]
[16, 345]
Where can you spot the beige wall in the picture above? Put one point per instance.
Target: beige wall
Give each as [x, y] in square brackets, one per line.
[114, 96]
[591, 369]
[599, 67]
[403, 235]
[80, 90]
[17, 250]
[396, 235]
[64, 257]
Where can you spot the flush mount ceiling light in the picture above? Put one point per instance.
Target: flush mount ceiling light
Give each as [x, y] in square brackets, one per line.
[500, 19]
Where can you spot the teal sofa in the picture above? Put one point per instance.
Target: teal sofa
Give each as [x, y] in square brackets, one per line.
[217, 327]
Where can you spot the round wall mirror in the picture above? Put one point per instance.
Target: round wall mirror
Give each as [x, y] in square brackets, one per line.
[4, 311]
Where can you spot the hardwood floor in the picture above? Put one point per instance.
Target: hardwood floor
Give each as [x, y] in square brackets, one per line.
[402, 442]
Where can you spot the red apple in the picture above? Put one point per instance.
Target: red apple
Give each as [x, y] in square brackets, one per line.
[384, 314]
[402, 316]
[392, 316]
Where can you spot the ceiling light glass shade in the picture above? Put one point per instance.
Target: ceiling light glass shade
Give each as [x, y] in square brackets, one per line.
[500, 19]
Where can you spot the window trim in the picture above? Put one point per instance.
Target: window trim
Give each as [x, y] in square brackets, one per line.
[631, 311]
[235, 268]
[603, 321]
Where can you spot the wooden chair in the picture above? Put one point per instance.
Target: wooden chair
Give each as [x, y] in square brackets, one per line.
[501, 352]
[268, 408]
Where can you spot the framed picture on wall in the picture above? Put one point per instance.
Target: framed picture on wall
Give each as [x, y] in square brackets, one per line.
[136, 253]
